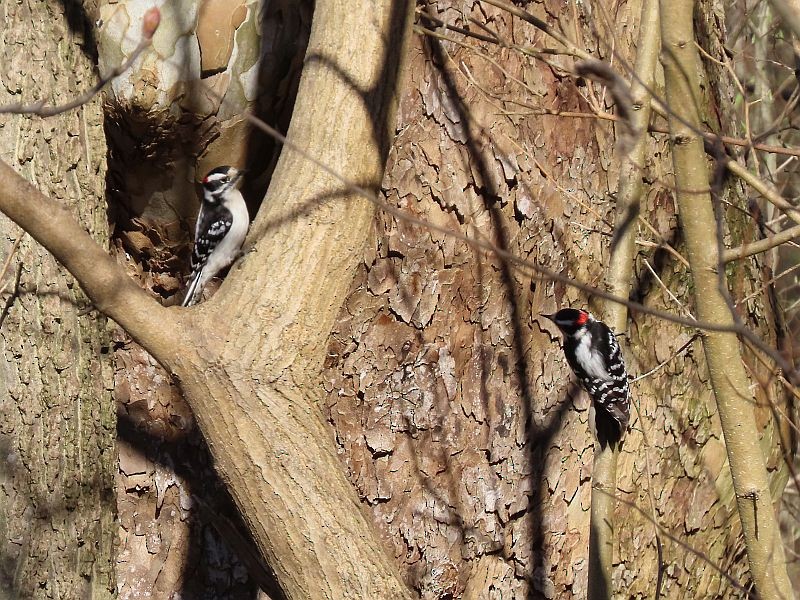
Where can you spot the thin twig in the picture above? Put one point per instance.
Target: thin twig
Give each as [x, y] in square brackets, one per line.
[660, 366]
[542, 26]
[771, 281]
[662, 244]
[521, 262]
[446, 26]
[765, 190]
[7, 264]
[702, 556]
[667, 290]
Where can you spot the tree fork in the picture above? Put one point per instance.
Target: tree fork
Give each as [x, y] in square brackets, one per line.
[249, 359]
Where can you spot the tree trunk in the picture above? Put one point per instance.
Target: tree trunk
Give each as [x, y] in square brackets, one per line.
[727, 372]
[57, 417]
[451, 399]
[178, 525]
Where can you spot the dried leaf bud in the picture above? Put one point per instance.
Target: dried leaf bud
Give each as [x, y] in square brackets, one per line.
[150, 22]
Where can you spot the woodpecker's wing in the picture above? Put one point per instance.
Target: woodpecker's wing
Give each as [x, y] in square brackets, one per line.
[213, 223]
[601, 371]
[610, 388]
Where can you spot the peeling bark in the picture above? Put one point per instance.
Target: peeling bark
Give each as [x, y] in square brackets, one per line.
[215, 62]
[449, 400]
[477, 467]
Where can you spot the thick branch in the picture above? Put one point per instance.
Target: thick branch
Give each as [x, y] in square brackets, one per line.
[728, 378]
[112, 291]
[249, 359]
[618, 281]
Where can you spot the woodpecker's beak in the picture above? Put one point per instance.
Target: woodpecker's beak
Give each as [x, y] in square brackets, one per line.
[547, 316]
[236, 178]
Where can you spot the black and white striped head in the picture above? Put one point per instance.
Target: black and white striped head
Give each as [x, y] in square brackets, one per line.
[219, 182]
[571, 320]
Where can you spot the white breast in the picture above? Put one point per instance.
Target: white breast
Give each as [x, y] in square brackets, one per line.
[591, 361]
[228, 249]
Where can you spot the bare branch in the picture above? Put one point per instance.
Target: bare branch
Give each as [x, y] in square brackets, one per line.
[446, 26]
[661, 365]
[602, 72]
[723, 355]
[7, 264]
[107, 285]
[542, 26]
[769, 243]
[767, 192]
[633, 107]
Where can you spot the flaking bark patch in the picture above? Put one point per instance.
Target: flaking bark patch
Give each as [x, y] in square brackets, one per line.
[458, 423]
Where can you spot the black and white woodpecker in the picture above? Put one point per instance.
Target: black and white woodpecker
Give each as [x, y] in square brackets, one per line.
[222, 225]
[593, 353]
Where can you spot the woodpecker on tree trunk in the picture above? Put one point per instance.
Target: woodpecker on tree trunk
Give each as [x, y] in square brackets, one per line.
[593, 354]
[220, 231]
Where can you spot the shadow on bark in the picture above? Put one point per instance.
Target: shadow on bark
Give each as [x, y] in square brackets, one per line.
[285, 28]
[216, 528]
[140, 143]
[81, 25]
[538, 438]
[594, 551]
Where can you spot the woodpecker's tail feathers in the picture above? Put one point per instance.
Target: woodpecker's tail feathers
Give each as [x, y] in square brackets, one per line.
[192, 290]
[607, 429]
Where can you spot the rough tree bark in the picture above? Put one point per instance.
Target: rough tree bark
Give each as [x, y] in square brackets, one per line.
[207, 68]
[57, 419]
[631, 153]
[264, 429]
[450, 400]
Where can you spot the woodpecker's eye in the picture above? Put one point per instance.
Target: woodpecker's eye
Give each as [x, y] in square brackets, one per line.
[215, 182]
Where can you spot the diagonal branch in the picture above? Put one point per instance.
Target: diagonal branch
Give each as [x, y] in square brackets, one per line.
[787, 235]
[104, 281]
[257, 403]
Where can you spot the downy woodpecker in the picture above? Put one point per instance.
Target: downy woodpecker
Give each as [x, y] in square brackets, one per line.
[220, 231]
[594, 355]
